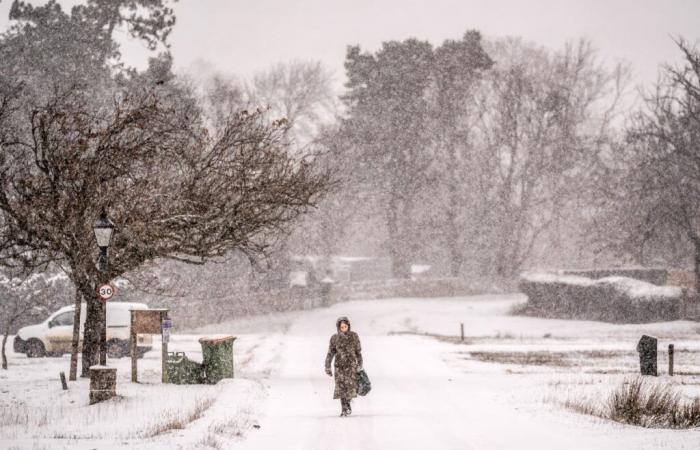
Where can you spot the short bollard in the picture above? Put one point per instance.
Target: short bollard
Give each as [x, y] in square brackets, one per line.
[103, 383]
[648, 354]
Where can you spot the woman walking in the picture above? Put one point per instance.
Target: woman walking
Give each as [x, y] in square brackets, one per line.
[345, 348]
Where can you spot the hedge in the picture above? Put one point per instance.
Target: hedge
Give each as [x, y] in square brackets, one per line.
[609, 299]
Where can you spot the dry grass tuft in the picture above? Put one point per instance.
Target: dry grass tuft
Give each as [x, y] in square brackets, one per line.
[574, 358]
[582, 407]
[537, 358]
[178, 420]
[23, 415]
[650, 405]
[210, 441]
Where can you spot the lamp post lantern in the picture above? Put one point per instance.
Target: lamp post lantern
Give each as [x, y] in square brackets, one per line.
[103, 229]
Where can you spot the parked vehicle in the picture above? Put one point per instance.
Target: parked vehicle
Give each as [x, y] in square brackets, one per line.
[54, 336]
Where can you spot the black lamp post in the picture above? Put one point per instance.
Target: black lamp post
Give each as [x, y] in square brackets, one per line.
[103, 229]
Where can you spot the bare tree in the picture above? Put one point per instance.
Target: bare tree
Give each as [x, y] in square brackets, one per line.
[173, 189]
[545, 121]
[301, 91]
[656, 176]
[220, 96]
[24, 296]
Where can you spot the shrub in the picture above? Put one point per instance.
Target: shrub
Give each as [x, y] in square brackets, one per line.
[612, 299]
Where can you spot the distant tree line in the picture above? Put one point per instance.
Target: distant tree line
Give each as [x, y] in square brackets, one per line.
[472, 155]
[489, 157]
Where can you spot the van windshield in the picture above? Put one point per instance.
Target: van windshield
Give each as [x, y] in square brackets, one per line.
[63, 319]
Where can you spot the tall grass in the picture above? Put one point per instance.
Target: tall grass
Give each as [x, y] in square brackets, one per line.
[645, 404]
[178, 420]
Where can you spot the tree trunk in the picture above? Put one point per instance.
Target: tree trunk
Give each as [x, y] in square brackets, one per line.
[4, 341]
[697, 265]
[453, 226]
[399, 263]
[92, 334]
[453, 233]
[502, 263]
[76, 337]
[397, 252]
[456, 252]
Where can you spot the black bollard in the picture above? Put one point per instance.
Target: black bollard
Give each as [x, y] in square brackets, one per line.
[63, 381]
[647, 348]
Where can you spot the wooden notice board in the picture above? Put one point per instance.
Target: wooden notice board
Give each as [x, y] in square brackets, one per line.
[147, 321]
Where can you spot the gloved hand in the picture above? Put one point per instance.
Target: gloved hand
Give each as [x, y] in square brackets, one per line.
[328, 372]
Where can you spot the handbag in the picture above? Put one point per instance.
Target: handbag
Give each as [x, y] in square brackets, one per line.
[363, 383]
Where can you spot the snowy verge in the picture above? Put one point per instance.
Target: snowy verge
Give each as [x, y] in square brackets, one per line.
[36, 413]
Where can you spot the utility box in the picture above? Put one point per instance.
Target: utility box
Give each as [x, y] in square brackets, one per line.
[217, 357]
[182, 370]
[648, 355]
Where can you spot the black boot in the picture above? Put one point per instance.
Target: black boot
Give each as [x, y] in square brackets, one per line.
[345, 405]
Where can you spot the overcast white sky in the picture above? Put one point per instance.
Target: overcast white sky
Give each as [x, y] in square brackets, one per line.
[242, 36]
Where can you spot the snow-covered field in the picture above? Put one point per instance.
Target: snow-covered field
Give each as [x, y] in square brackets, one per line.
[503, 388]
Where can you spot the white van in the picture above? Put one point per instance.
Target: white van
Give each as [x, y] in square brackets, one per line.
[54, 336]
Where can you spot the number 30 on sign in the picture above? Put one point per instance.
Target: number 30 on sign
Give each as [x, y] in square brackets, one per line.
[106, 291]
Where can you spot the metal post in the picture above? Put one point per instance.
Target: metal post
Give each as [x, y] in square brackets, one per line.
[461, 327]
[133, 349]
[670, 359]
[164, 349]
[104, 267]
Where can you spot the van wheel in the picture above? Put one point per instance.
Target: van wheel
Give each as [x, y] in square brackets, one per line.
[35, 348]
[116, 349]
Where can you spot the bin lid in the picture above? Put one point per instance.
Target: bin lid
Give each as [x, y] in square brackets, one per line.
[216, 339]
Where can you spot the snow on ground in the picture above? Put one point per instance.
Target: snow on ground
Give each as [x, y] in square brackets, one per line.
[36, 413]
[503, 387]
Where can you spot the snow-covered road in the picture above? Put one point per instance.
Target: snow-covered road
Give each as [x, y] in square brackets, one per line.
[412, 404]
[422, 398]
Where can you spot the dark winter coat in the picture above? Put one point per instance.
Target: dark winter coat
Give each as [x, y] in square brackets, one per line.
[345, 348]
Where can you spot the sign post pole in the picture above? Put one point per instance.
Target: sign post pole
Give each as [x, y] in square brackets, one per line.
[105, 292]
[132, 349]
[165, 325]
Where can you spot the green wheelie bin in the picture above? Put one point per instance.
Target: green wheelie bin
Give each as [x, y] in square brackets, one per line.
[217, 357]
[182, 370]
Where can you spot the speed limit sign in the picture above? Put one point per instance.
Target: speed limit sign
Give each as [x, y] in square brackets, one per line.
[106, 291]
